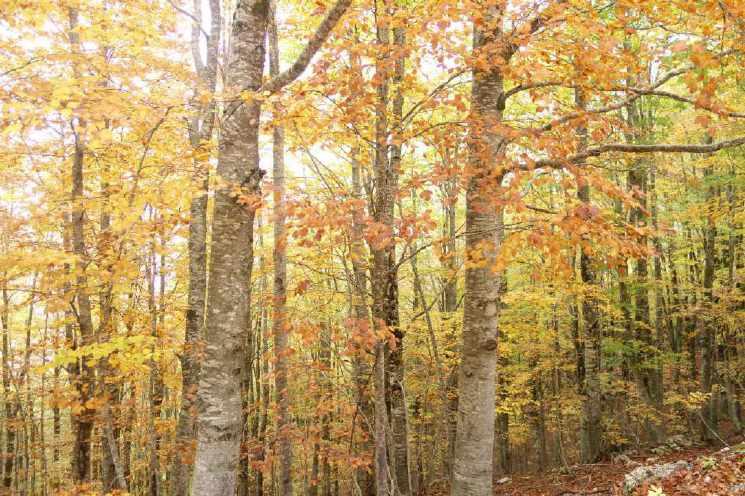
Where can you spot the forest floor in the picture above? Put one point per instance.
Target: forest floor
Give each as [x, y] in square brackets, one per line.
[713, 472]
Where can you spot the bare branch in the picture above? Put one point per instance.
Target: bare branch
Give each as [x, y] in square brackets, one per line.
[301, 63]
[533, 26]
[685, 99]
[196, 19]
[313, 45]
[610, 108]
[638, 149]
[430, 95]
[529, 86]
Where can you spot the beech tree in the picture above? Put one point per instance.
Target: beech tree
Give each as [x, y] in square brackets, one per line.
[218, 432]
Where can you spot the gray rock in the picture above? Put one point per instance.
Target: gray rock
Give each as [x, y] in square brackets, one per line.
[680, 441]
[650, 473]
[738, 489]
[623, 459]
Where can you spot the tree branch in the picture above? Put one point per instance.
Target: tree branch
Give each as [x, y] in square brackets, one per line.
[314, 44]
[301, 63]
[615, 106]
[637, 149]
[528, 86]
[533, 26]
[685, 99]
[196, 20]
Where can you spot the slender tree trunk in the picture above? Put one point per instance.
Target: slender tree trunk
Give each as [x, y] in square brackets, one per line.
[472, 465]
[731, 348]
[157, 387]
[83, 377]
[248, 402]
[539, 420]
[707, 322]
[693, 322]
[265, 392]
[56, 418]
[646, 359]
[450, 305]
[420, 300]
[590, 427]
[10, 429]
[280, 325]
[42, 411]
[381, 423]
[361, 315]
[325, 382]
[384, 283]
[29, 426]
[502, 459]
[108, 387]
[360, 312]
[396, 369]
[200, 133]
[659, 301]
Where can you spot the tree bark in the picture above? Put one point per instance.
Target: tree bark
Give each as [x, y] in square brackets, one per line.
[280, 325]
[200, 132]
[381, 423]
[10, 414]
[83, 374]
[219, 420]
[706, 321]
[396, 368]
[361, 315]
[472, 466]
[591, 424]
[383, 277]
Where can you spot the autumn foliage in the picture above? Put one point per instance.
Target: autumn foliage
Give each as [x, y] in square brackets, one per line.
[366, 247]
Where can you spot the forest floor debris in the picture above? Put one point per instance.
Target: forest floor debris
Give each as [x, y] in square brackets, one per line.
[694, 471]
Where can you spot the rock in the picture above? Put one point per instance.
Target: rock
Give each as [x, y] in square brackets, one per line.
[640, 475]
[680, 441]
[737, 489]
[622, 458]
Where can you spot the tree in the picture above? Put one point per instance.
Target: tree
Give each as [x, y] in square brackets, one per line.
[232, 239]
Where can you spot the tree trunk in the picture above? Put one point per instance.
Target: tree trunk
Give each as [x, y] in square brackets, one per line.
[29, 426]
[591, 426]
[396, 368]
[731, 349]
[219, 428]
[472, 465]
[646, 358]
[384, 278]
[450, 305]
[83, 375]
[381, 423]
[706, 321]
[236, 200]
[659, 302]
[280, 326]
[157, 387]
[190, 363]
[361, 315]
[200, 132]
[10, 428]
